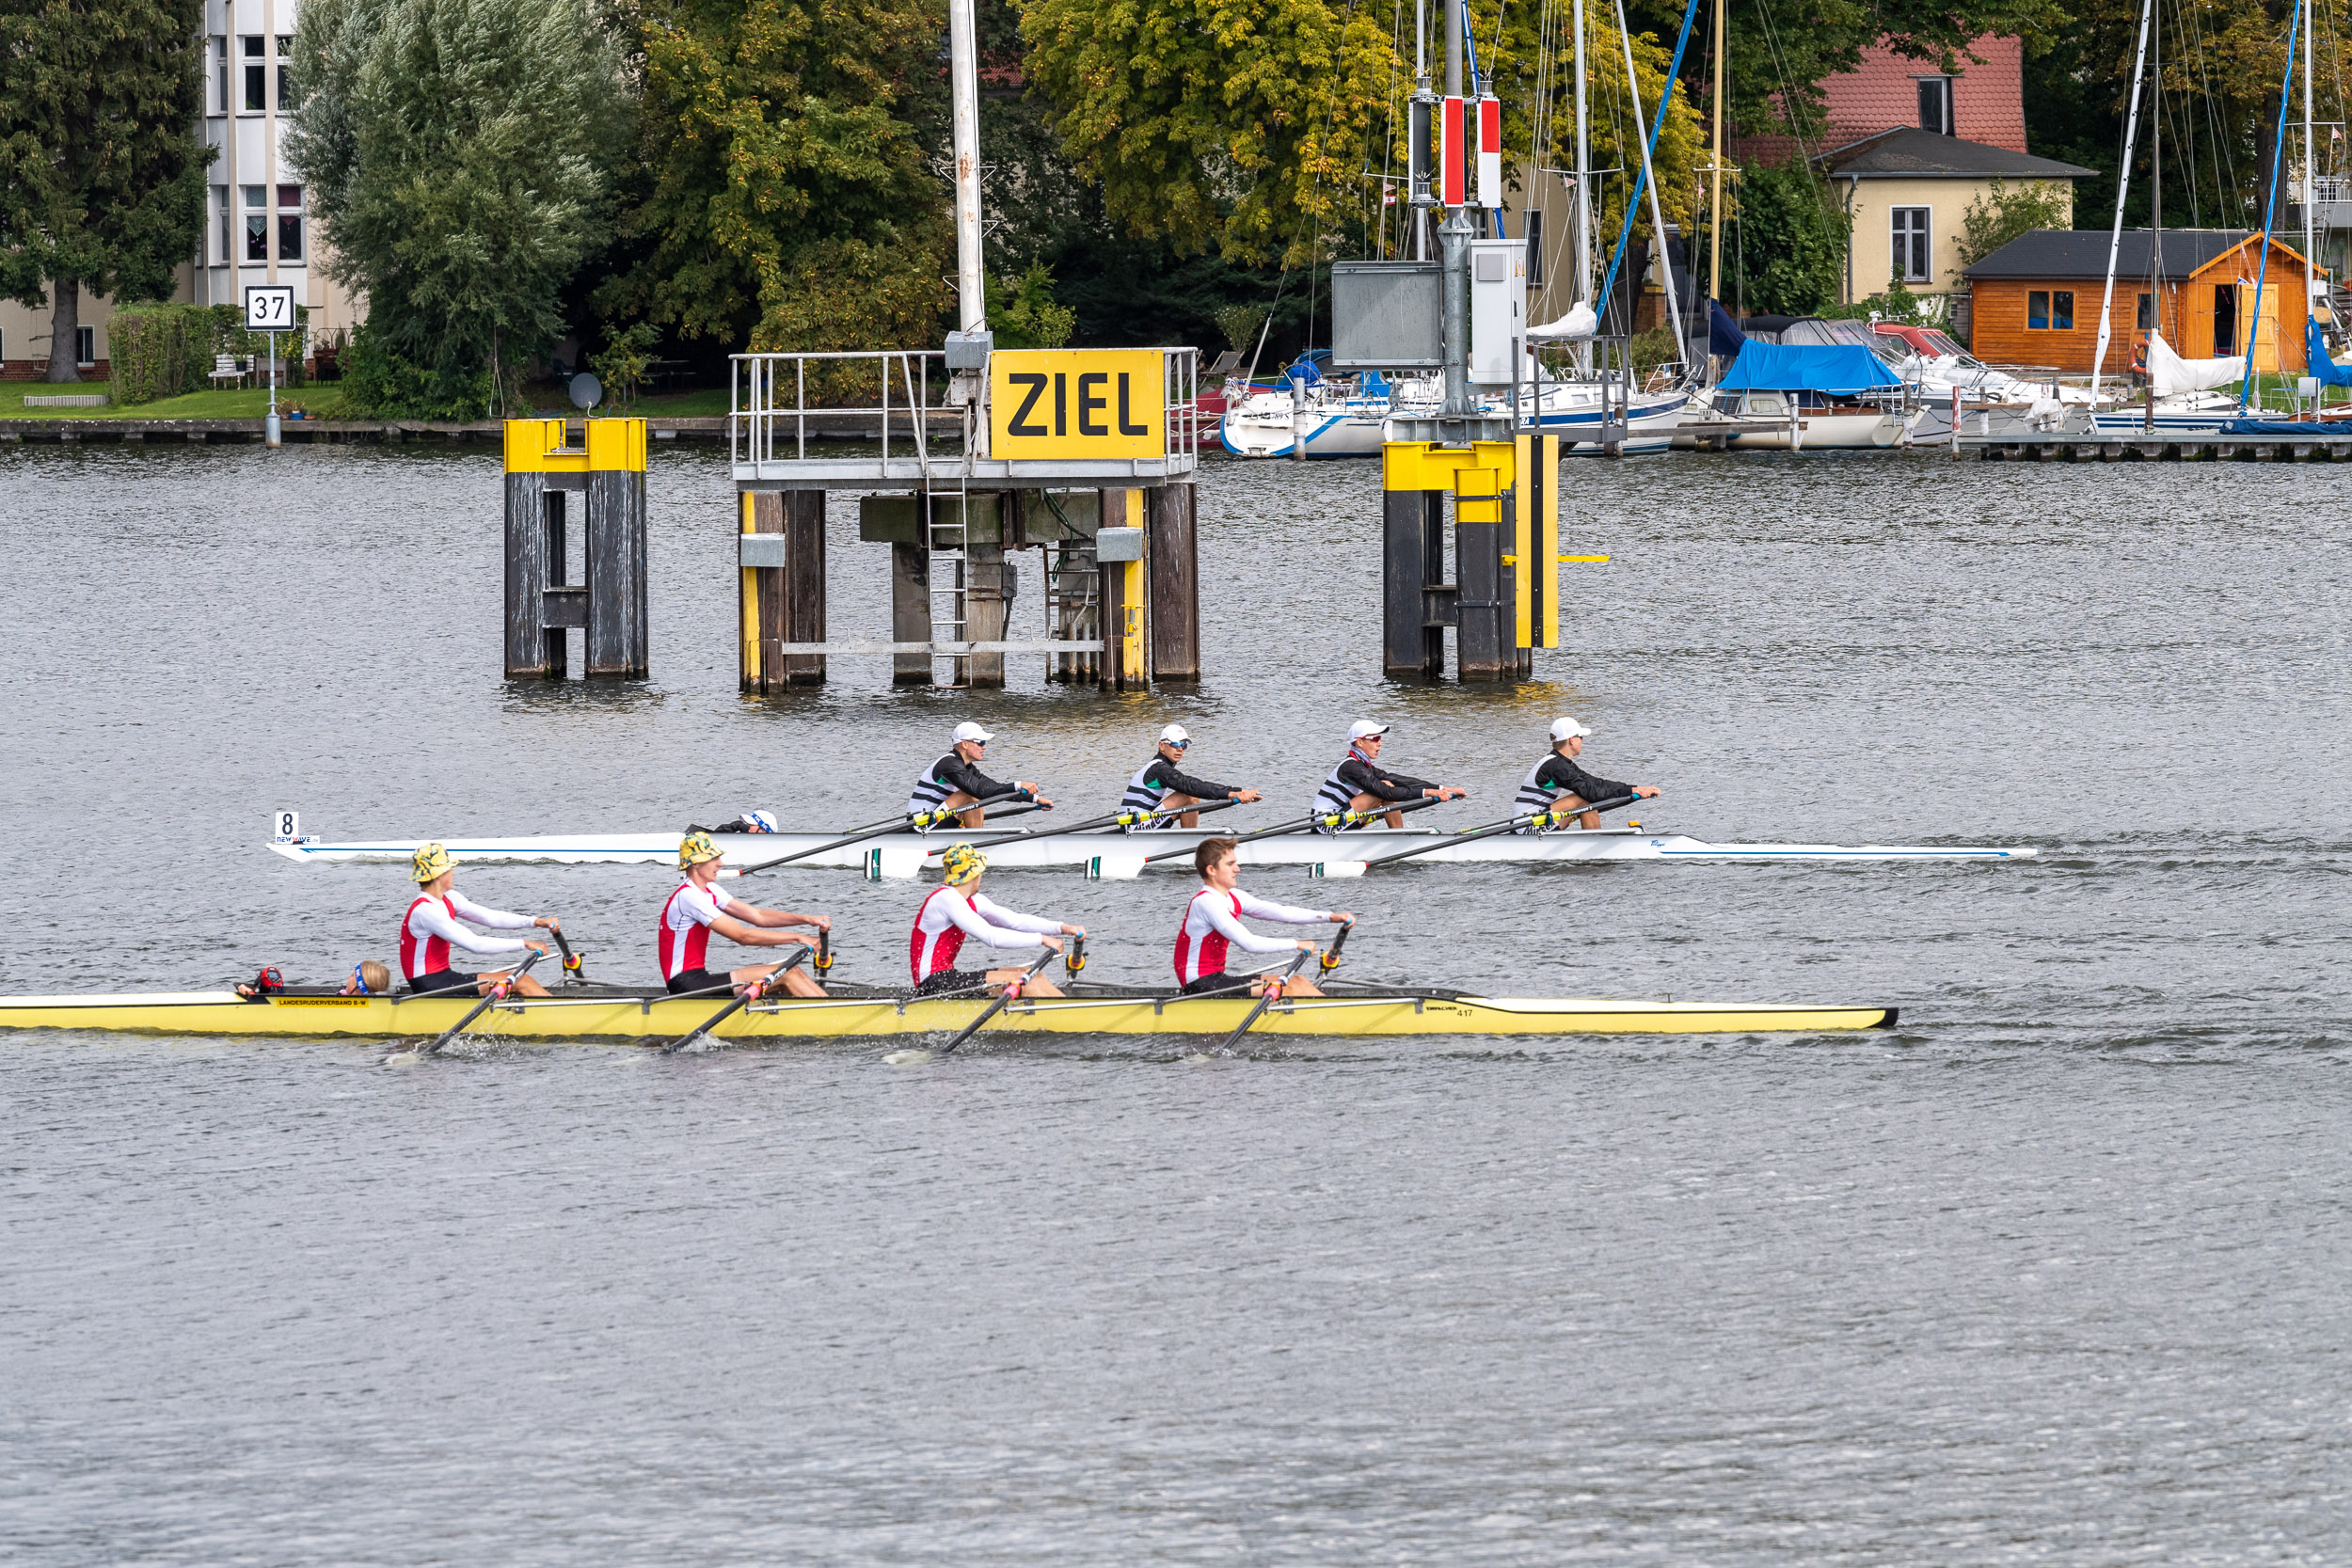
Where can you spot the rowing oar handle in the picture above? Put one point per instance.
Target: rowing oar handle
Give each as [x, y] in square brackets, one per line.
[571, 959]
[1073, 957]
[824, 951]
[1330, 960]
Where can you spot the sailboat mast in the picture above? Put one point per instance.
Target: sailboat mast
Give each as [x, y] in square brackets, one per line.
[2122, 185]
[1715, 198]
[1584, 172]
[1657, 214]
[2310, 192]
[2155, 213]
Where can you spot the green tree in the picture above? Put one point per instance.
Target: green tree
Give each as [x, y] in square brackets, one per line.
[101, 180]
[2005, 212]
[780, 191]
[1786, 254]
[457, 153]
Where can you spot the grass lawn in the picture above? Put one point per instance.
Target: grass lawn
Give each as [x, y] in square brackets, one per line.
[323, 399]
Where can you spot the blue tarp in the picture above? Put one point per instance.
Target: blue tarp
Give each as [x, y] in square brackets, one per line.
[2329, 372]
[1724, 336]
[1838, 370]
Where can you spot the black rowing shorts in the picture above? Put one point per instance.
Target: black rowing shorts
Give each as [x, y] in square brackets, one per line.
[699, 979]
[1212, 982]
[951, 980]
[442, 980]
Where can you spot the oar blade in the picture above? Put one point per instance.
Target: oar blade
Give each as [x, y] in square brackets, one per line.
[1114, 867]
[1338, 869]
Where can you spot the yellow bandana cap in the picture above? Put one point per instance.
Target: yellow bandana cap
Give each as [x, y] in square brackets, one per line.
[429, 862]
[962, 863]
[695, 848]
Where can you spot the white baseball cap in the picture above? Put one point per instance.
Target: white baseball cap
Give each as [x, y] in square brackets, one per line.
[1363, 728]
[1565, 728]
[1175, 733]
[969, 731]
[760, 821]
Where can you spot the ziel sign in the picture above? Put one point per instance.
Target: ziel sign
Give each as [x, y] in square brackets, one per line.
[1076, 403]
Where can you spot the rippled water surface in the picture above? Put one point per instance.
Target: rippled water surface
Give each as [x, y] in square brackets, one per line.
[2056, 1273]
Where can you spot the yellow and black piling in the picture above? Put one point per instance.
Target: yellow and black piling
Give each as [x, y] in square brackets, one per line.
[1504, 601]
[608, 472]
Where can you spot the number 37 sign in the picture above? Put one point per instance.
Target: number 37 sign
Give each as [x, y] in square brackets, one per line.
[1048, 402]
[269, 308]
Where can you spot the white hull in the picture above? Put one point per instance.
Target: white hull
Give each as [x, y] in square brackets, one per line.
[1265, 427]
[1120, 854]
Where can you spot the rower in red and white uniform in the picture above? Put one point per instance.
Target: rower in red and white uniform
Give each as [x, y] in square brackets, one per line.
[431, 928]
[1212, 928]
[697, 908]
[957, 909]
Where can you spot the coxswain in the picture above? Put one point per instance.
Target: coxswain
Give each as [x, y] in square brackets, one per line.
[1360, 783]
[431, 928]
[956, 781]
[750, 822]
[1162, 785]
[697, 908]
[1557, 784]
[955, 909]
[1213, 927]
[367, 979]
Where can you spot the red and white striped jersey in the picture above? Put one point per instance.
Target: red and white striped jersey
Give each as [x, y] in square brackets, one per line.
[1213, 926]
[684, 934]
[431, 926]
[947, 917]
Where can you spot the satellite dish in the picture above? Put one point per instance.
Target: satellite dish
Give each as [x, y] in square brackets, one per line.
[586, 390]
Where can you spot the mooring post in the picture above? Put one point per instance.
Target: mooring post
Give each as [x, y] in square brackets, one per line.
[542, 606]
[1119, 549]
[1171, 539]
[910, 612]
[618, 634]
[782, 587]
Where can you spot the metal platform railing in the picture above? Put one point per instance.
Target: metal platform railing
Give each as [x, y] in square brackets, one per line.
[929, 426]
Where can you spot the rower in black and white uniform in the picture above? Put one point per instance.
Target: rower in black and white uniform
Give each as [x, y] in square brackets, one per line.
[1361, 784]
[1556, 784]
[955, 781]
[1162, 785]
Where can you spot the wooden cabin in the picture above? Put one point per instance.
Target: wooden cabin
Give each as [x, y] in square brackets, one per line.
[2035, 301]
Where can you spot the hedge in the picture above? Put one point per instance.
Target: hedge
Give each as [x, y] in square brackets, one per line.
[160, 351]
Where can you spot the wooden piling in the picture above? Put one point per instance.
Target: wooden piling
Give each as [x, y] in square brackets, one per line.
[608, 472]
[1125, 598]
[782, 587]
[1171, 539]
[618, 627]
[1416, 605]
[910, 612]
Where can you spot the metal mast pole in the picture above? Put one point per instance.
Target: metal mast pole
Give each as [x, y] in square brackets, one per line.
[2122, 187]
[1454, 234]
[1584, 172]
[964, 75]
[2156, 214]
[1420, 135]
[2311, 194]
[1715, 200]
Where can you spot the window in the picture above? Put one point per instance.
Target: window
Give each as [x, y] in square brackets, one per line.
[289, 223]
[1910, 245]
[2063, 310]
[1935, 105]
[285, 56]
[1536, 248]
[220, 74]
[256, 75]
[257, 222]
[2147, 316]
[227, 254]
[85, 340]
[2037, 310]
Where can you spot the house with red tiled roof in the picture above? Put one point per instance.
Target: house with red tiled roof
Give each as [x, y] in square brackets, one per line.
[1909, 148]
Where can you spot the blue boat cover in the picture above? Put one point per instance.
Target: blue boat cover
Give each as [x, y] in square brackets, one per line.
[1838, 369]
[2327, 370]
[2307, 430]
[1724, 336]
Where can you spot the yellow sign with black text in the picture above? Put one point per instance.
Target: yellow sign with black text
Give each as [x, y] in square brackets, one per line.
[1076, 403]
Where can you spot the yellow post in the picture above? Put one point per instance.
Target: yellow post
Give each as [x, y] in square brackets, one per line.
[1132, 667]
[748, 595]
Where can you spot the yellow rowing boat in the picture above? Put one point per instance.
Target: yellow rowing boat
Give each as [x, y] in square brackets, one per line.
[611, 1013]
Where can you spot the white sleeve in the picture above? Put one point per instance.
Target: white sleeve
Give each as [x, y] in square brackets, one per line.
[429, 919]
[972, 925]
[1240, 935]
[1014, 919]
[497, 920]
[1258, 909]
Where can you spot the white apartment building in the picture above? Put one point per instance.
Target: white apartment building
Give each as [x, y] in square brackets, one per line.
[256, 218]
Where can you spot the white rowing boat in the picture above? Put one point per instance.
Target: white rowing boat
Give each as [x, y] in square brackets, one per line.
[1118, 856]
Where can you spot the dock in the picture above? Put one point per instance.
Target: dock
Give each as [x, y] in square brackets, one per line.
[2159, 446]
[711, 429]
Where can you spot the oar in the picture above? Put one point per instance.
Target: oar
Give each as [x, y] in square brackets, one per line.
[498, 994]
[1320, 818]
[823, 964]
[1330, 960]
[1271, 992]
[898, 824]
[573, 973]
[1116, 818]
[1538, 819]
[998, 1005]
[752, 993]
